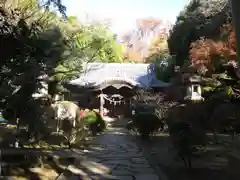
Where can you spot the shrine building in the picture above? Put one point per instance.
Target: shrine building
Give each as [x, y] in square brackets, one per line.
[110, 86]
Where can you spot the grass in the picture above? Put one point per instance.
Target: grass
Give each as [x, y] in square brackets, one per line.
[24, 165]
[8, 136]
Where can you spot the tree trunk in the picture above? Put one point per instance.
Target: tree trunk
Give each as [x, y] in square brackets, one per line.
[189, 161]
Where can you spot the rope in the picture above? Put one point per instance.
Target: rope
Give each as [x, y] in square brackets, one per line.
[113, 101]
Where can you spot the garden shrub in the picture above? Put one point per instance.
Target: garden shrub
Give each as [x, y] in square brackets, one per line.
[146, 123]
[187, 141]
[144, 108]
[225, 119]
[94, 121]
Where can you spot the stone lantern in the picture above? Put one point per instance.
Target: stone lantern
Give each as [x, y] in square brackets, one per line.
[194, 89]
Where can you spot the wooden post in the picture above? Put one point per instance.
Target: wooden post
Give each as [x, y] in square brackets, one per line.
[235, 7]
[102, 101]
[56, 117]
[18, 132]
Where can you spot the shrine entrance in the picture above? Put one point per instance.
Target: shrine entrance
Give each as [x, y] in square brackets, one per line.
[115, 102]
[113, 98]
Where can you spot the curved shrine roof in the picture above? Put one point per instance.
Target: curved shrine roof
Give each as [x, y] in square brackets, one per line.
[141, 75]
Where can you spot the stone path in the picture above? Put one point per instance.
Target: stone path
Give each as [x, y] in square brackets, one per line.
[114, 155]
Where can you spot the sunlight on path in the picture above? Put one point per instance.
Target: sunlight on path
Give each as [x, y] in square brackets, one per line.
[114, 155]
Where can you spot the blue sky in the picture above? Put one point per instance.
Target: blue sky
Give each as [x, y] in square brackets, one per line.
[123, 13]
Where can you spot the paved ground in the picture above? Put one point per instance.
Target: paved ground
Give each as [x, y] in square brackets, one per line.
[114, 155]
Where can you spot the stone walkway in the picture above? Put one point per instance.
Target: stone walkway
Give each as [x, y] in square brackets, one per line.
[114, 155]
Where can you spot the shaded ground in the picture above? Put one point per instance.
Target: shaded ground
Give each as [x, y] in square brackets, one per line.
[111, 155]
[213, 163]
[114, 155]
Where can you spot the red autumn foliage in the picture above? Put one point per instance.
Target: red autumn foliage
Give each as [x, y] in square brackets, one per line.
[209, 53]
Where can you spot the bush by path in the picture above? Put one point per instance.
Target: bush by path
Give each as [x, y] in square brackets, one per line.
[94, 121]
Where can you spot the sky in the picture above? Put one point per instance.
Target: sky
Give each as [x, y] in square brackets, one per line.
[123, 13]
